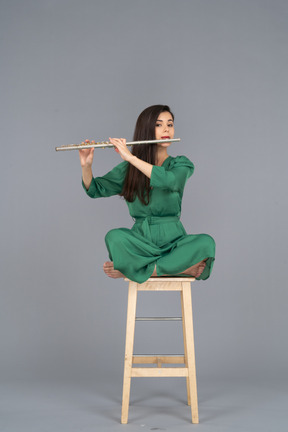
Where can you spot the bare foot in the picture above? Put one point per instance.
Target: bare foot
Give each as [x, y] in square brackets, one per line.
[108, 268]
[196, 270]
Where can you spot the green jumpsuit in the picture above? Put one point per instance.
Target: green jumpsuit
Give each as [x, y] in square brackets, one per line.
[157, 236]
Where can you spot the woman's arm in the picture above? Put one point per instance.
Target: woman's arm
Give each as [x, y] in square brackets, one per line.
[87, 176]
[121, 148]
[143, 166]
[86, 160]
[105, 186]
[173, 177]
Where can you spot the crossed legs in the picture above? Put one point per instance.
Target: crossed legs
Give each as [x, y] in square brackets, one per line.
[194, 271]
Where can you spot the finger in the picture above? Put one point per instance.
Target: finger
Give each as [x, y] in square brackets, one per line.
[116, 146]
[118, 140]
[114, 142]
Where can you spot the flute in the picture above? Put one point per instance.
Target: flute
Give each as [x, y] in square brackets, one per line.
[105, 144]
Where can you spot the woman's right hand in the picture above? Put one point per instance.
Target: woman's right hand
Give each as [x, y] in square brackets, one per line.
[86, 155]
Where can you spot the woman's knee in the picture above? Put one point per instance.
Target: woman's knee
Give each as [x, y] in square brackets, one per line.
[210, 239]
[115, 235]
[210, 242]
[111, 235]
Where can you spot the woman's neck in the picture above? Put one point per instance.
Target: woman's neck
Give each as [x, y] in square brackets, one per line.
[161, 156]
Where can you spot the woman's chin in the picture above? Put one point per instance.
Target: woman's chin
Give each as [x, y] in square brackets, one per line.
[167, 144]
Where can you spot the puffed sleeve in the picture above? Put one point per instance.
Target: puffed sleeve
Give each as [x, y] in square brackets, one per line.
[174, 175]
[108, 185]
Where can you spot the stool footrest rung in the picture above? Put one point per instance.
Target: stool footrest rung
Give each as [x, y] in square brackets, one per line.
[149, 359]
[158, 319]
[159, 372]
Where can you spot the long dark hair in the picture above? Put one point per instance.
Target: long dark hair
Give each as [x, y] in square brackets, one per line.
[136, 183]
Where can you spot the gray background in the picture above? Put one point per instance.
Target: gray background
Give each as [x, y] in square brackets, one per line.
[72, 70]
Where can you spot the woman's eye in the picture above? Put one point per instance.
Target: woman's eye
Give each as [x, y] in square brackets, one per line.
[160, 124]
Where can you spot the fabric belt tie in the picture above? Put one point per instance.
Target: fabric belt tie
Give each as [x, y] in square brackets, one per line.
[153, 220]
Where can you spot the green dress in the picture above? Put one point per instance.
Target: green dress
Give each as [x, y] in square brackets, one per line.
[157, 236]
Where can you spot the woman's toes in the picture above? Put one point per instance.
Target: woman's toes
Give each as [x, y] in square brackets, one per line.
[201, 269]
[107, 268]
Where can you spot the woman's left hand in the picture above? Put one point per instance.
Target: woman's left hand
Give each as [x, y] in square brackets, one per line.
[121, 148]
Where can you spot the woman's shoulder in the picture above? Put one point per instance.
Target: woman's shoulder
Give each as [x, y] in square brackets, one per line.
[180, 161]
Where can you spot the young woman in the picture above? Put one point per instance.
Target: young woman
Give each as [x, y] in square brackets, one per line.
[152, 183]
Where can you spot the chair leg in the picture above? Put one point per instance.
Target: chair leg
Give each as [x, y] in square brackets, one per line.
[189, 336]
[130, 330]
[185, 351]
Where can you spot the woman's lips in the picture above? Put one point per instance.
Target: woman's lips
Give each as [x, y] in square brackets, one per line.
[165, 137]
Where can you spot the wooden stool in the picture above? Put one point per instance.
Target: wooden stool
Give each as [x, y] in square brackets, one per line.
[188, 359]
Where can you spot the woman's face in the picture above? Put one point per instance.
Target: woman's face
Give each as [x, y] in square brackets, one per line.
[164, 128]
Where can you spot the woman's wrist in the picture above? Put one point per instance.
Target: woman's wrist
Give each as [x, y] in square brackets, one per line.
[86, 167]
